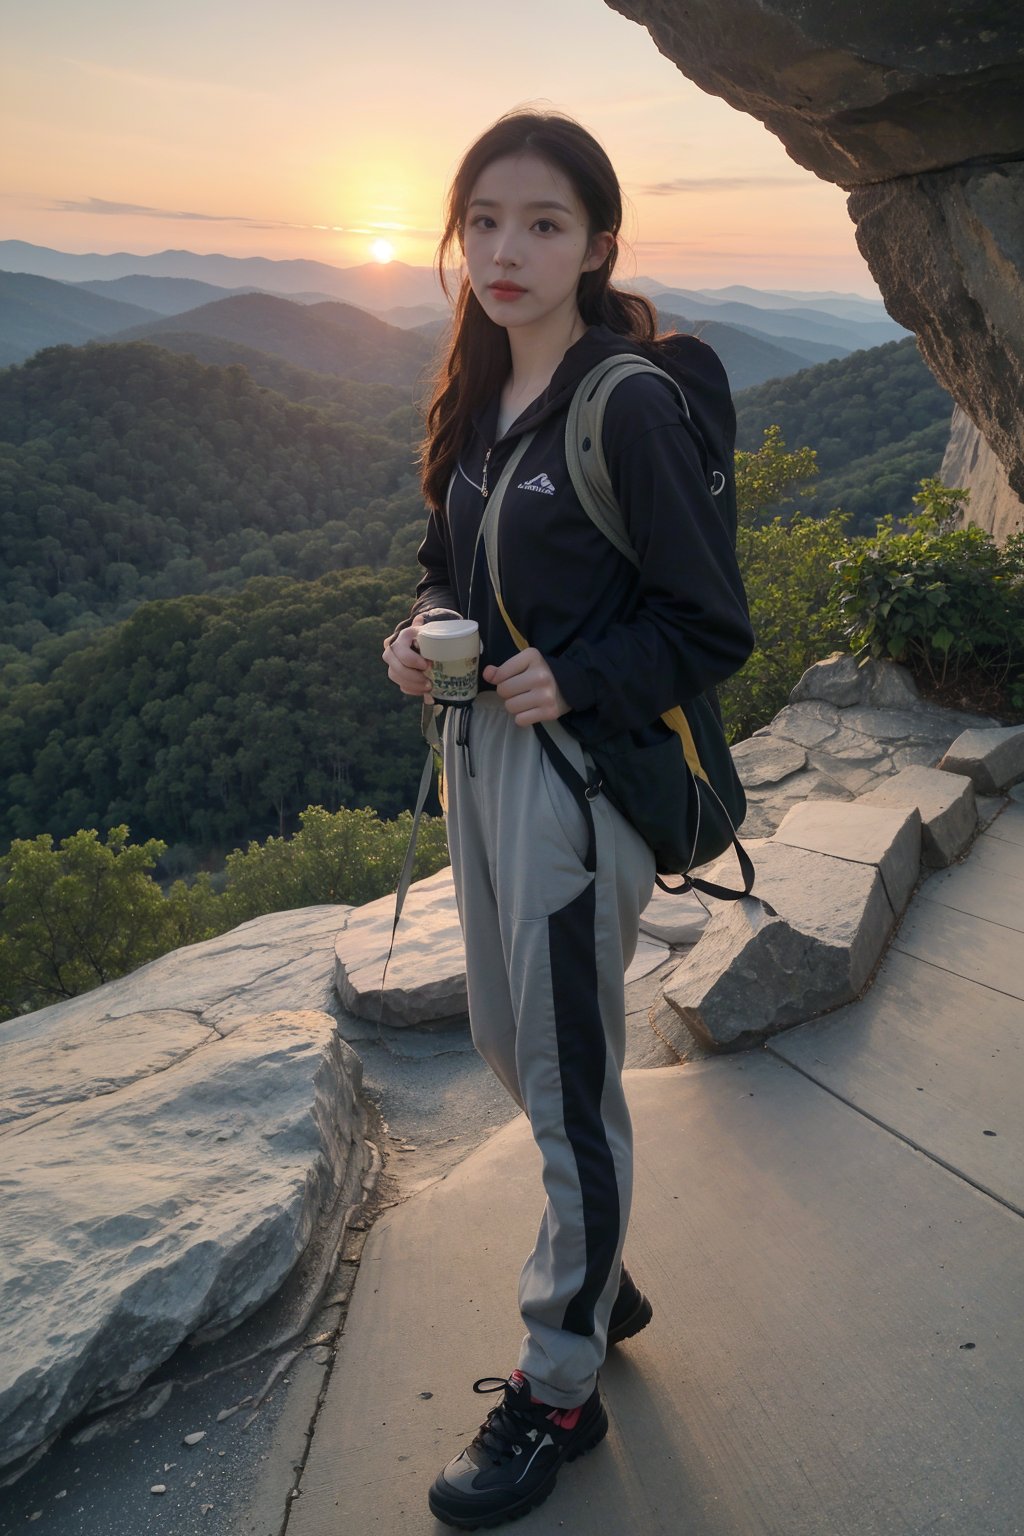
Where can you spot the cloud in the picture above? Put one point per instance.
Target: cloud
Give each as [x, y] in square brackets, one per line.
[102, 205]
[720, 184]
[150, 81]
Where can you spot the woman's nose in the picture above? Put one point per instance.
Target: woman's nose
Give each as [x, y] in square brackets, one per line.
[506, 252]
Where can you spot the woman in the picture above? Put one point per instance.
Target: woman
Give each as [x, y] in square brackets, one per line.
[550, 884]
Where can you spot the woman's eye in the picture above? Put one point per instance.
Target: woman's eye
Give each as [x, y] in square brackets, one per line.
[545, 226]
[481, 220]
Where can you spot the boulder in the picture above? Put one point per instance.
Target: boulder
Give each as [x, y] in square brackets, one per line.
[165, 1198]
[889, 686]
[758, 969]
[837, 680]
[425, 981]
[843, 680]
[103, 1040]
[992, 759]
[865, 834]
[945, 802]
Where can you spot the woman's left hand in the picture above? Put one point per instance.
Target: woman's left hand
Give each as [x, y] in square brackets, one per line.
[528, 687]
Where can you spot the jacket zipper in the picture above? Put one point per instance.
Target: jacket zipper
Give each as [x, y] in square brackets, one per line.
[483, 485]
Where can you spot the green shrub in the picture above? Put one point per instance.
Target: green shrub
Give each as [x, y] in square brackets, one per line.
[945, 601]
[349, 857]
[765, 478]
[86, 912]
[788, 571]
[78, 915]
[787, 564]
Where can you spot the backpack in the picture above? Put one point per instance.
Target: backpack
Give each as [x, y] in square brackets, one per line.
[675, 781]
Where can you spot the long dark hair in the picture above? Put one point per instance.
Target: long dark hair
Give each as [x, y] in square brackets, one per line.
[479, 357]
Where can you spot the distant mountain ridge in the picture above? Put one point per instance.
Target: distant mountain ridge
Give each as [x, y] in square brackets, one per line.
[35, 312]
[748, 359]
[379, 286]
[803, 322]
[329, 337]
[373, 285]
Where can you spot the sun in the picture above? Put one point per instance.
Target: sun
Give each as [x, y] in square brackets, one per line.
[382, 251]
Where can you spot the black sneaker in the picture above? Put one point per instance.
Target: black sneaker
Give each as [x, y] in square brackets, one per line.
[514, 1458]
[631, 1312]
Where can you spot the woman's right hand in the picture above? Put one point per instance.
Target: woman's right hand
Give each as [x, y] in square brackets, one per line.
[406, 667]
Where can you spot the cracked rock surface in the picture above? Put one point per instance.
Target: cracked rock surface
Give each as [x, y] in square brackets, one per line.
[168, 1143]
[845, 731]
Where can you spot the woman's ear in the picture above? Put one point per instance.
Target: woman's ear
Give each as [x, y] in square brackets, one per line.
[600, 248]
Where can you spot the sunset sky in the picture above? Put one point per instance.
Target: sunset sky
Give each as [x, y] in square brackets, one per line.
[314, 128]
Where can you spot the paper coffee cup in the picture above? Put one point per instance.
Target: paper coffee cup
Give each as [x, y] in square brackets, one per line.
[453, 645]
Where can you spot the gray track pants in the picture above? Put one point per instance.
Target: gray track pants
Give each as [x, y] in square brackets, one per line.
[547, 943]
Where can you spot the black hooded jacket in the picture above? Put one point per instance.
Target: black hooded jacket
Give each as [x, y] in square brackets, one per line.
[623, 645]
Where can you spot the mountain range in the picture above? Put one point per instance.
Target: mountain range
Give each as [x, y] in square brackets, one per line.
[760, 335]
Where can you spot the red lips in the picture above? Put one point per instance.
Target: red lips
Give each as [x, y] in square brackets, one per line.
[506, 288]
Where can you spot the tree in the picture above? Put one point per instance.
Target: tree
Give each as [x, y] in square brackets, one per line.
[77, 915]
[764, 479]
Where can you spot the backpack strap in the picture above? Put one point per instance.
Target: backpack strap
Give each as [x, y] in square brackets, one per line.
[584, 448]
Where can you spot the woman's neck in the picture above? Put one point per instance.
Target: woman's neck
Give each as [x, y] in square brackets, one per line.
[535, 356]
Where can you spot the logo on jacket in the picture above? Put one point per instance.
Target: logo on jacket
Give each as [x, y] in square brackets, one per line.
[539, 483]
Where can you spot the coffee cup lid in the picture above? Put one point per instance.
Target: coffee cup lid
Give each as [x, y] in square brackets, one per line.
[453, 629]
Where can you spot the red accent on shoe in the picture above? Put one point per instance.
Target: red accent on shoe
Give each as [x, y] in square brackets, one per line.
[566, 1418]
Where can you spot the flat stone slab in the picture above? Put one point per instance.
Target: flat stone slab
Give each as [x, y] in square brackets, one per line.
[992, 759]
[1009, 825]
[963, 944]
[764, 760]
[651, 953]
[53, 1069]
[426, 978]
[946, 805]
[935, 1057]
[674, 919]
[168, 1204]
[997, 896]
[995, 853]
[856, 725]
[815, 1281]
[865, 834]
[281, 961]
[754, 972]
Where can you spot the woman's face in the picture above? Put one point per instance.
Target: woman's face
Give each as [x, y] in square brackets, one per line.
[526, 242]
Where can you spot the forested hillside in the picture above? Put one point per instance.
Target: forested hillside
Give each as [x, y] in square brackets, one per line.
[127, 473]
[209, 720]
[36, 312]
[877, 419]
[326, 337]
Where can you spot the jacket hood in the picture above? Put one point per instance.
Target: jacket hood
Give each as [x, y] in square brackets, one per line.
[596, 343]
